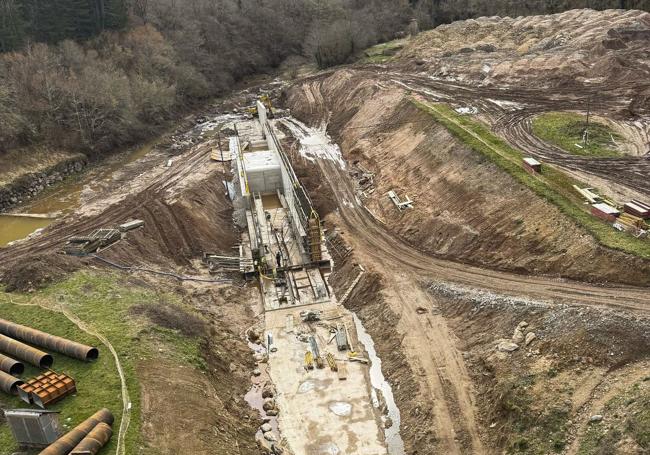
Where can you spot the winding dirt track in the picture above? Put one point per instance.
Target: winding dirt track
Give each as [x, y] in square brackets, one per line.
[386, 249]
[152, 187]
[510, 110]
[428, 344]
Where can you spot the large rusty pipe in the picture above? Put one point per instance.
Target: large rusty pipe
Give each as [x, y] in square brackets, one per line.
[27, 353]
[96, 439]
[45, 340]
[67, 442]
[9, 384]
[11, 366]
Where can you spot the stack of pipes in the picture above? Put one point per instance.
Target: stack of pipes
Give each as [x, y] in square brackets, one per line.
[13, 335]
[85, 439]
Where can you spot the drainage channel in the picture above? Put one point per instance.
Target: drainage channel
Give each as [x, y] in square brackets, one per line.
[255, 395]
[378, 381]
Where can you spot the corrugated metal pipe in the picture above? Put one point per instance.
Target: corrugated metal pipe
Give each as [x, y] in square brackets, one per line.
[9, 384]
[27, 353]
[96, 439]
[45, 340]
[67, 442]
[11, 366]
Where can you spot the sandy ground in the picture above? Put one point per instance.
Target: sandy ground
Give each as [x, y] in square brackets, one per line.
[431, 348]
[320, 414]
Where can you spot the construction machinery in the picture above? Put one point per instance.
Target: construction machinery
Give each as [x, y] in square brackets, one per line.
[266, 101]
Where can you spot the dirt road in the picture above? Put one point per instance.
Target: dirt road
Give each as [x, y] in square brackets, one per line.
[372, 238]
[510, 109]
[429, 345]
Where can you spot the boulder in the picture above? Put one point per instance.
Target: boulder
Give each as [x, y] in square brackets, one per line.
[596, 418]
[507, 346]
[266, 428]
[264, 445]
[518, 336]
[530, 337]
[269, 404]
[268, 391]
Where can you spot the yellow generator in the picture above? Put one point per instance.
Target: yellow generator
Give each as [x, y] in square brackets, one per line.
[266, 101]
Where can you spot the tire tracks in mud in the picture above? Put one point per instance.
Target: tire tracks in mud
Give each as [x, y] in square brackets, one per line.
[136, 201]
[428, 344]
[515, 126]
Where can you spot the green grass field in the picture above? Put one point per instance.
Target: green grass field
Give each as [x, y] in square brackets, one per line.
[103, 302]
[555, 187]
[565, 130]
[382, 53]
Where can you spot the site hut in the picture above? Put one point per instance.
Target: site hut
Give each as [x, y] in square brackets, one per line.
[532, 165]
[283, 237]
[605, 212]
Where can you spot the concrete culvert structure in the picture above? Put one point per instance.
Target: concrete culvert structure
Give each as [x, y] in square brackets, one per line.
[66, 443]
[9, 384]
[11, 366]
[45, 340]
[24, 352]
[96, 439]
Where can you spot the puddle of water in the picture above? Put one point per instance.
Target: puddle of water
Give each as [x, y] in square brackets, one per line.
[329, 449]
[14, 227]
[254, 395]
[306, 386]
[341, 408]
[378, 381]
[65, 197]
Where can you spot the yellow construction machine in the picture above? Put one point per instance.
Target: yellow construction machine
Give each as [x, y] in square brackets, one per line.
[266, 101]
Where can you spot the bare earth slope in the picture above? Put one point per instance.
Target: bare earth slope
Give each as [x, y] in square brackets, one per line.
[465, 207]
[576, 46]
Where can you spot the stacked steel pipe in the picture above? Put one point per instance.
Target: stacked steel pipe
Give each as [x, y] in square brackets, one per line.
[69, 441]
[45, 340]
[9, 384]
[24, 352]
[11, 366]
[96, 439]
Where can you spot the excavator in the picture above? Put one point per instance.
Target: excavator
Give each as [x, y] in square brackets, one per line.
[266, 101]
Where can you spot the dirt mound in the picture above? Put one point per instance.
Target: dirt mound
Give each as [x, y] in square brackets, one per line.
[553, 50]
[39, 271]
[466, 208]
[535, 396]
[172, 317]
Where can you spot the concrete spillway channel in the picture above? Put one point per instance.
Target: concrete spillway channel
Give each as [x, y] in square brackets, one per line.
[325, 396]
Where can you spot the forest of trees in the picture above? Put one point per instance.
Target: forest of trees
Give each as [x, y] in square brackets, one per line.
[93, 75]
[51, 21]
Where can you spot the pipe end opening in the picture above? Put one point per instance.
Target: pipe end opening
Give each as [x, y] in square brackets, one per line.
[17, 369]
[93, 354]
[47, 361]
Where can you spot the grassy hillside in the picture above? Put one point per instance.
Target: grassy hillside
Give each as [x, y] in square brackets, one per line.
[553, 185]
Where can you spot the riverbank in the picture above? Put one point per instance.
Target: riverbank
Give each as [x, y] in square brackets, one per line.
[26, 174]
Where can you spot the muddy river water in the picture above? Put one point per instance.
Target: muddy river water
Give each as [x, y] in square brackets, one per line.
[62, 198]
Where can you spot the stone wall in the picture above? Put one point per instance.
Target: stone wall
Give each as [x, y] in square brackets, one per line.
[29, 185]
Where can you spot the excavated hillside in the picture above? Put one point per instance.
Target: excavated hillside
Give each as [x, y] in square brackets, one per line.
[466, 208]
[599, 48]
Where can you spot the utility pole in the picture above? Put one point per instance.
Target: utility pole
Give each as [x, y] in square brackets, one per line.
[585, 134]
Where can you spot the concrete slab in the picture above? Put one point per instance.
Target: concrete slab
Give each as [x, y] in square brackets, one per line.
[319, 413]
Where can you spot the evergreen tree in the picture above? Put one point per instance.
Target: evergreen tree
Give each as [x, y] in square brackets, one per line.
[117, 16]
[12, 25]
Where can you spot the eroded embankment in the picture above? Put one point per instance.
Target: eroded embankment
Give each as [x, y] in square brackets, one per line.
[568, 363]
[466, 208]
[367, 302]
[197, 408]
